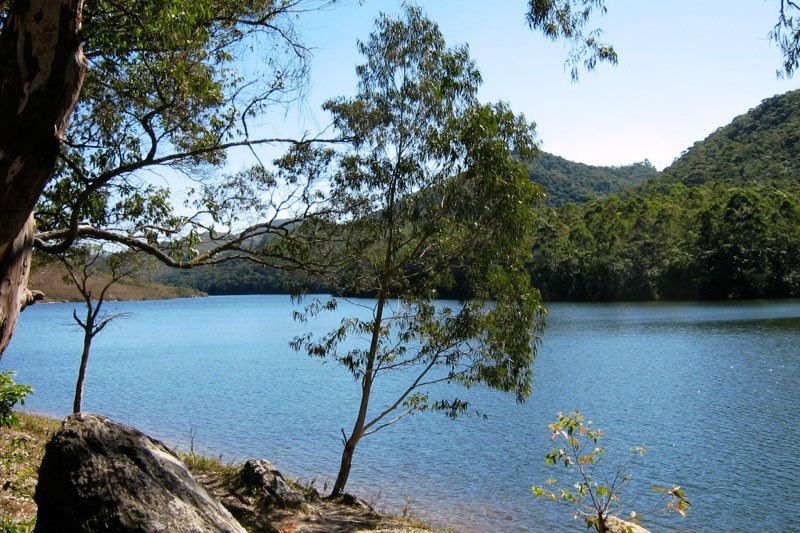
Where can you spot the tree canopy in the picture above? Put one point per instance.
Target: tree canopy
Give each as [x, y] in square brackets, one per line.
[433, 190]
[167, 96]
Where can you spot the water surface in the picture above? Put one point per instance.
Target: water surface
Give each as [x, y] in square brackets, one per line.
[711, 389]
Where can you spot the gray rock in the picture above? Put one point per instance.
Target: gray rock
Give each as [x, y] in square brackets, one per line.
[262, 476]
[97, 475]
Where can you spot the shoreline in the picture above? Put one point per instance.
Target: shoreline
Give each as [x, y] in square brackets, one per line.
[22, 449]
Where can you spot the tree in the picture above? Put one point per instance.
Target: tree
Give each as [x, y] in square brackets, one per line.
[82, 264]
[41, 71]
[434, 190]
[164, 95]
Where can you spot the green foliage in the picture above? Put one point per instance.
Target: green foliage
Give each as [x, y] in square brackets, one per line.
[597, 501]
[430, 190]
[567, 20]
[11, 394]
[167, 93]
[714, 241]
[721, 223]
[233, 277]
[566, 181]
[759, 146]
[786, 34]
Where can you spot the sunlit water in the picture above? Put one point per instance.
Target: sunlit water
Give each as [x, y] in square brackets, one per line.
[711, 389]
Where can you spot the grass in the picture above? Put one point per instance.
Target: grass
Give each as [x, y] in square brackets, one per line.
[21, 452]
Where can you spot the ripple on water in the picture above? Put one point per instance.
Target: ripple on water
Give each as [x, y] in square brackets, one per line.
[710, 388]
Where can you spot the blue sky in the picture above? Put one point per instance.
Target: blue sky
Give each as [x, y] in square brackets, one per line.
[686, 68]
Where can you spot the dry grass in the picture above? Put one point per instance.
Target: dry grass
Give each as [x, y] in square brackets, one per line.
[49, 279]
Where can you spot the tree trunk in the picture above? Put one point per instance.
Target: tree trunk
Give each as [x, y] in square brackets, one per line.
[87, 346]
[344, 466]
[366, 391]
[15, 264]
[41, 72]
[601, 523]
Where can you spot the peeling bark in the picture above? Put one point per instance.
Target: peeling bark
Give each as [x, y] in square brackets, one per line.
[41, 72]
[15, 264]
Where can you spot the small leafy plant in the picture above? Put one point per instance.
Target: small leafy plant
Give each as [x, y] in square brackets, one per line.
[11, 394]
[597, 503]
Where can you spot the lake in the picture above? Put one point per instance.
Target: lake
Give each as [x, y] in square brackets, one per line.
[710, 388]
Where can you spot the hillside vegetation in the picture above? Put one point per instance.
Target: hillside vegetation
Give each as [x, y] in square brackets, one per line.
[566, 181]
[761, 145]
[722, 222]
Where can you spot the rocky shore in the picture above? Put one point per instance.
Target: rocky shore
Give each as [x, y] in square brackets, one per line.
[97, 475]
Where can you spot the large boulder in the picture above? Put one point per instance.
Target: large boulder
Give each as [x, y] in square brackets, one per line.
[97, 475]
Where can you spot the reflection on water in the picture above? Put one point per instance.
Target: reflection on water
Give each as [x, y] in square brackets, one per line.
[711, 389]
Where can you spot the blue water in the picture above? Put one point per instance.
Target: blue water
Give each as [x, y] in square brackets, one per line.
[711, 389]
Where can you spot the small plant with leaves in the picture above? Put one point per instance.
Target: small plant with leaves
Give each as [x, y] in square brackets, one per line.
[11, 394]
[597, 502]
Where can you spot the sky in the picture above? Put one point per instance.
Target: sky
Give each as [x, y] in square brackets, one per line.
[686, 68]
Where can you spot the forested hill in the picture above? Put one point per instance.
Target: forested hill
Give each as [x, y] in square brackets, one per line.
[763, 144]
[567, 181]
[722, 222]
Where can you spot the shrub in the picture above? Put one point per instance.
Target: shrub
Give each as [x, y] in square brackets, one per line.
[597, 503]
[11, 394]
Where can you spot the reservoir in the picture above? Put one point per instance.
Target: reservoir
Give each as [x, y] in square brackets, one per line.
[711, 389]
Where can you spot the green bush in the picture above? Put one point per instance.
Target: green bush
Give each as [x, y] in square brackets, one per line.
[11, 394]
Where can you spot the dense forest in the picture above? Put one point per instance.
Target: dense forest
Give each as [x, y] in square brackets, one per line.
[761, 145]
[567, 181]
[564, 181]
[721, 222]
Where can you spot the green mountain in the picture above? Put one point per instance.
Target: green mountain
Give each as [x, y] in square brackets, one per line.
[567, 181]
[763, 144]
[230, 277]
[722, 222]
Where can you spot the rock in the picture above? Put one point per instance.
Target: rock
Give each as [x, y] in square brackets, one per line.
[97, 475]
[618, 525]
[352, 501]
[263, 477]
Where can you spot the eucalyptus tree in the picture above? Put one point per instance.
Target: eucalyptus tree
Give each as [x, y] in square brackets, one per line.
[167, 95]
[433, 191]
[159, 89]
[41, 71]
[83, 263]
